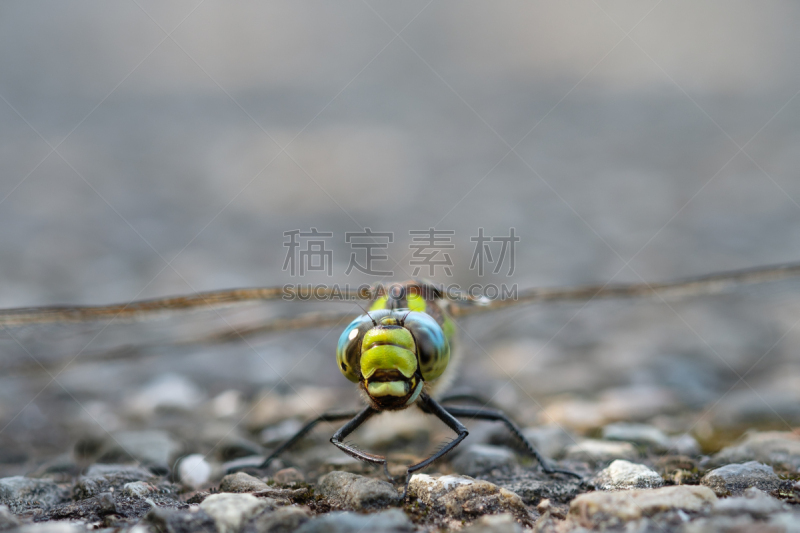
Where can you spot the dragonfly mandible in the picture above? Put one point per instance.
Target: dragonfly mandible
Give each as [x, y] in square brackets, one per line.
[399, 350]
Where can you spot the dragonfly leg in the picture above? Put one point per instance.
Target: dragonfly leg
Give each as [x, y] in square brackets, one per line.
[429, 405]
[483, 402]
[352, 451]
[327, 417]
[499, 416]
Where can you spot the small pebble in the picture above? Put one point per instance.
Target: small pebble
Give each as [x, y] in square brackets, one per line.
[194, 471]
[280, 432]
[546, 506]
[104, 478]
[230, 511]
[226, 404]
[478, 459]
[178, 521]
[303, 404]
[550, 440]
[106, 503]
[754, 502]
[459, 496]
[593, 509]
[390, 521]
[281, 520]
[776, 448]
[149, 447]
[496, 523]
[288, 475]
[137, 489]
[685, 445]
[168, 392]
[601, 451]
[20, 488]
[351, 491]
[735, 478]
[640, 434]
[241, 482]
[622, 474]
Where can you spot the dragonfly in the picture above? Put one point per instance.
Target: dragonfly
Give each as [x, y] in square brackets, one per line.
[400, 350]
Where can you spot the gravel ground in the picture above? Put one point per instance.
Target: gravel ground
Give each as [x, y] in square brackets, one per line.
[648, 475]
[652, 141]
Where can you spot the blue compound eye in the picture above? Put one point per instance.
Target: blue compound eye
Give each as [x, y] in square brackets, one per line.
[432, 346]
[348, 352]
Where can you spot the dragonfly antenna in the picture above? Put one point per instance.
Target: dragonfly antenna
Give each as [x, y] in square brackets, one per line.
[367, 313]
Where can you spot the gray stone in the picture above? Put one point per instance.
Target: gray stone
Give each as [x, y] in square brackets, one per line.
[103, 478]
[754, 502]
[90, 508]
[639, 434]
[195, 520]
[231, 511]
[137, 489]
[777, 448]
[280, 432]
[20, 488]
[623, 474]
[462, 497]
[7, 519]
[352, 491]
[551, 440]
[288, 475]
[148, 447]
[241, 482]
[601, 451]
[685, 445]
[390, 521]
[478, 459]
[595, 509]
[735, 478]
[497, 523]
[281, 520]
[167, 392]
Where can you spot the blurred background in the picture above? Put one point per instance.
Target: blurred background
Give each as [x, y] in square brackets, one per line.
[151, 149]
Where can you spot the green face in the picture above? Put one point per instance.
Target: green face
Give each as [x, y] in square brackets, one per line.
[392, 357]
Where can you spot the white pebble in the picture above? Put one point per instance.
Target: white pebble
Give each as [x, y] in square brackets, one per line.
[194, 471]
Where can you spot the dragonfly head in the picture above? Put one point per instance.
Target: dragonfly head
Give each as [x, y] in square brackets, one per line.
[391, 354]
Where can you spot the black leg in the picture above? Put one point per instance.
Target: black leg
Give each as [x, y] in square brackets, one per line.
[499, 416]
[348, 428]
[469, 398]
[429, 405]
[327, 417]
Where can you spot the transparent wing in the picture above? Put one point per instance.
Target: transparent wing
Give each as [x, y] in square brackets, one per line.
[707, 284]
[43, 336]
[142, 343]
[144, 309]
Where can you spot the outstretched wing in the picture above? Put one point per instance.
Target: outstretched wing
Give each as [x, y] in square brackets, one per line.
[30, 320]
[143, 309]
[695, 286]
[463, 304]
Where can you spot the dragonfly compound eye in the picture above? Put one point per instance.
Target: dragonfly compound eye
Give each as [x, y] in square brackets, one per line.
[432, 345]
[348, 352]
